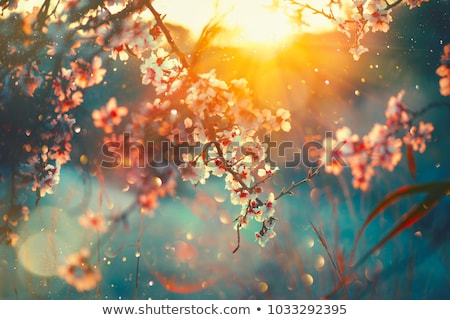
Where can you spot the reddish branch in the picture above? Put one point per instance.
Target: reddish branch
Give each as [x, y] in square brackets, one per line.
[160, 23]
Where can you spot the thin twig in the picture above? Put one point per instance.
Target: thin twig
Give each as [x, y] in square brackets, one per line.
[227, 167]
[429, 107]
[159, 22]
[311, 174]
[238, 238]
[138, 255]
[392, 5]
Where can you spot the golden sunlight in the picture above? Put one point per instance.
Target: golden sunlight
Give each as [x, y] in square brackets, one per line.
[251, 22]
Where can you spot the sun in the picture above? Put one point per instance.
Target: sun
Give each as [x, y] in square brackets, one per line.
[255, 22]
[248, 23]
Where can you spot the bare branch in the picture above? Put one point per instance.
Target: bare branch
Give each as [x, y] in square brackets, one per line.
[311, 174]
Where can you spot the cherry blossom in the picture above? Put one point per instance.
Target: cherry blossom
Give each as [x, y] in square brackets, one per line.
[109, 116]
[381, 147]
[396, 111]
[343, 148]
[443, 71]
[29, 81]
[221, 118]
[362, 174]
[87, 74]
[94, 222]
[149, 201]
[46, 178]
[357, 51]
[79, 273]
[66, 102]
[267, 170]
[379, 20]
[358, 17]
[266, 231]
[386, 149]
[417, 137]
[128, 37]
[11, 238]
[282, 121]
[162, 71]
[415, 3]
[194, 171]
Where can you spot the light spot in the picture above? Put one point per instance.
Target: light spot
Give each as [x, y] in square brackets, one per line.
[37, 254]
[307, 279]
[185, 252]
[314, 194]
[84, 159]
[263, 287]
[319, 263]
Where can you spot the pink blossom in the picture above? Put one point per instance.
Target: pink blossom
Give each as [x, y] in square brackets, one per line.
[343, 27]
[282, 120]
[79, 273]
[357, 51]
[375, 5]
[162, 71]
[119, 51]
[415, 3]
[266, 231]
[29, 83]
[241, 197]
[386, 149]
[267, 170]
[443, 71]
[379, 20]
[194, 171]
[67, 103]
[61, 152]
[86, 74]
[417, 137]
[149, 201]
[362, 174]
[343, 149]
[47, 179]
[396, 111]
[93, 221]
[109, 116]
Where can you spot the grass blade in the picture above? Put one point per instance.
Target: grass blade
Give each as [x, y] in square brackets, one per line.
[411, 161]
[407, 220]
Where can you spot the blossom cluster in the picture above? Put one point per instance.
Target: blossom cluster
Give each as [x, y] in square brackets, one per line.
[71, 40]
[356, 18]
[381, 147]
[443, 71]
[221, 118]
[129, 37]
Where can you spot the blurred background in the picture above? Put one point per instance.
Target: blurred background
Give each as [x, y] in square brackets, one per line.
[186, 246]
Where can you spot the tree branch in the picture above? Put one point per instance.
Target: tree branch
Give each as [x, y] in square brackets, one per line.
[311, 174]
[172, 43]
[392, 5]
